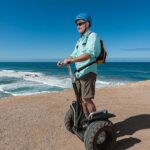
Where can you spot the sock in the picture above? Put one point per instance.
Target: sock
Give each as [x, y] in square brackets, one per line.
[86, 115]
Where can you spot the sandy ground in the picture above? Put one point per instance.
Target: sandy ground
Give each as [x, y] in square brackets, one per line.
[37, 122]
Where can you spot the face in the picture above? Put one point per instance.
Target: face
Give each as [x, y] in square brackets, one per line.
[82, 26]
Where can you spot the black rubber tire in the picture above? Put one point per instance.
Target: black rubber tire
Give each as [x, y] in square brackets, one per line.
[69, 120]
[92, 132]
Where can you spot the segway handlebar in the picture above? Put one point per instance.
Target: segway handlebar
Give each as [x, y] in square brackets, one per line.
[60, 63]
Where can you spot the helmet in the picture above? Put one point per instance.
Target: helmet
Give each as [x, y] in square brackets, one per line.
[84, 16]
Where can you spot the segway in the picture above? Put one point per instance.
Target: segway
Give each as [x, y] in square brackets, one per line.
[96, 131]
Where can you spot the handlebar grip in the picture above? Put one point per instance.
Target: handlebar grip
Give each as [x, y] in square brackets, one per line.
[60, 63]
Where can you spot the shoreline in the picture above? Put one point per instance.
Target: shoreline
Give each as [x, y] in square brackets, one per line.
[136, 83]
[37, 121]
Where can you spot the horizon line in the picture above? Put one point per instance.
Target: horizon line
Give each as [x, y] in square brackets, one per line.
[58, 59]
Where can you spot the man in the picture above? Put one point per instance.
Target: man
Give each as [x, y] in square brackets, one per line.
[86, 50]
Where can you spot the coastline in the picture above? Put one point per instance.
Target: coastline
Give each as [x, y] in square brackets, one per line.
[69, 89]
[36, 121]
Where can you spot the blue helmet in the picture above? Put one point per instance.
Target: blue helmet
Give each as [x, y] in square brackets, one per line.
[84, 16]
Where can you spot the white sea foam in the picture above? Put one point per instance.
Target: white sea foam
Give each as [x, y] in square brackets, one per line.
[30, 83]
[18, 74]
[13, 89]
[37, 77]
[51, 80]
[30, 93]
[1, 89]
[100, 83]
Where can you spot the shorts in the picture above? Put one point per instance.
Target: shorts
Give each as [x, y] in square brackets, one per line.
[86, 86]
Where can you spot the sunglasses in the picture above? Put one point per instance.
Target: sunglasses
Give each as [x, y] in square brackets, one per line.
[80, 24]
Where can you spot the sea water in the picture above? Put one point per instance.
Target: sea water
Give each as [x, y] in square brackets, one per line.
[27, 78]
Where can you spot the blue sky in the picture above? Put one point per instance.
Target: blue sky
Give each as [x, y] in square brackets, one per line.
[45, 29]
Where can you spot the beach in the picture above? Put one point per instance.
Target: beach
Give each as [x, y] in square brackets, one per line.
[36, 122]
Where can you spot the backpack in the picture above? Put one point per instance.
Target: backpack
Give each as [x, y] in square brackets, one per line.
[103, 54]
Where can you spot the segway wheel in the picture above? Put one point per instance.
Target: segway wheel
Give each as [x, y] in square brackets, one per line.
[69, 120]
[100, 135]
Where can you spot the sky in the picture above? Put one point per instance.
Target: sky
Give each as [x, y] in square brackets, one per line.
[39, 30]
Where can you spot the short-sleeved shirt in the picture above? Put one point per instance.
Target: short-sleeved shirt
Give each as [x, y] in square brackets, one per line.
[91, 46]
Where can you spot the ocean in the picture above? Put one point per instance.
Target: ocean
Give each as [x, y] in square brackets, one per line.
[28, 78]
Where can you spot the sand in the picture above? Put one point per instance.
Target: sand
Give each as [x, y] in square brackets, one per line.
[37, 122]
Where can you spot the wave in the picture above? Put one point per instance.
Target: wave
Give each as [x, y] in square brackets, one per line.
[1, 89]
[18, 74]
[38, 78]
[52, 81]
[29, 83]
[108, 83]
[35, 93]
[133, 71]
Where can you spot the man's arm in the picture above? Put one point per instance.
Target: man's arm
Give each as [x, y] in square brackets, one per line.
[81, 58]
[77, 59]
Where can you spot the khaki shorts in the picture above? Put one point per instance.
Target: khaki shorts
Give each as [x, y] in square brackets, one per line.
[86, 85]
